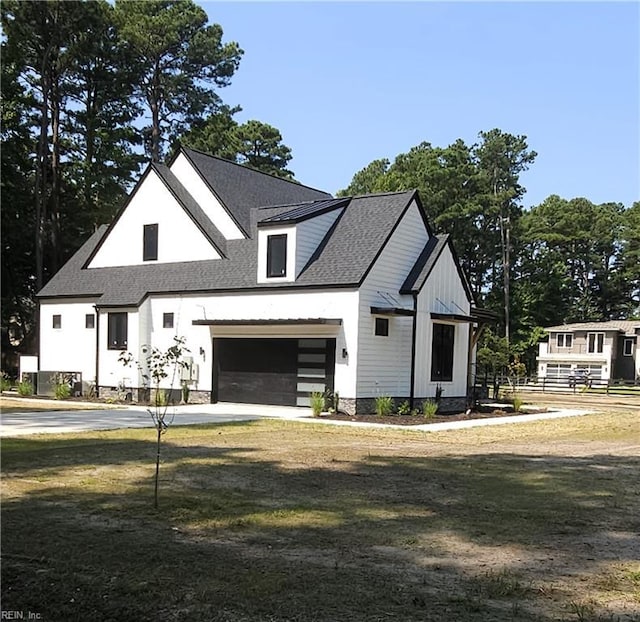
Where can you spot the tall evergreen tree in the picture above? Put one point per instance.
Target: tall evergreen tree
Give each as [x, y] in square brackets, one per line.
[181, 62]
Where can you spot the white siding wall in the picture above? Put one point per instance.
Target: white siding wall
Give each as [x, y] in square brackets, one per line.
[208, 201]
[303, 305]
[179, 239]
[309, 235]
[442, 286]
[72, 347]
[112, 372]
[384, 365]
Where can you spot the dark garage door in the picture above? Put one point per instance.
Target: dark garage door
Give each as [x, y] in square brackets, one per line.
[255, 371]
[271, 371]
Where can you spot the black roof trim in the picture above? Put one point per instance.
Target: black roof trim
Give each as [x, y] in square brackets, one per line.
[392, 311]
[453, 317]
[193, 210]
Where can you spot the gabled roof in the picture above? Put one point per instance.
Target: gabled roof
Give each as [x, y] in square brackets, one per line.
[426, 262]
[343, 259]
[184, 199]
[240, 189]
[628, 327]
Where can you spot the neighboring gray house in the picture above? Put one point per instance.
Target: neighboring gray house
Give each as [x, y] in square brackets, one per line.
[279, 290]
[604, 350]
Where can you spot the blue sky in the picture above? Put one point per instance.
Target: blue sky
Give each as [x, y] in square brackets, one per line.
[350, 82]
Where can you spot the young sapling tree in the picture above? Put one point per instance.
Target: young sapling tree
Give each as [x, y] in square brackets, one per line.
[156, 366]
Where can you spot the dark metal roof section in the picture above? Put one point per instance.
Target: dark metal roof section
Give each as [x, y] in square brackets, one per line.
[303, 212]
[240, 188]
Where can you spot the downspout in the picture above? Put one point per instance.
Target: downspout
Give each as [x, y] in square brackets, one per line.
[97, 308]
[413, 349]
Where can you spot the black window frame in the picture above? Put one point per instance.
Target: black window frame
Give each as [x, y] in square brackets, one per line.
[89, 320]
[630, 343]
[117, 330]
[56, 321]
[277, 264]
[443, 342]
[167, 320]
[150, 242]
[381, 327]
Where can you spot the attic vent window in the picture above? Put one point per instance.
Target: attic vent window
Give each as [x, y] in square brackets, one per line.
[150, 243]
[277, 255]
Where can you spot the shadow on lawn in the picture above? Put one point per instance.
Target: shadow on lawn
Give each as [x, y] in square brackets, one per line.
[240, 538]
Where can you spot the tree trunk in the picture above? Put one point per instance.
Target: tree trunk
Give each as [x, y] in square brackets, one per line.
[155, 492]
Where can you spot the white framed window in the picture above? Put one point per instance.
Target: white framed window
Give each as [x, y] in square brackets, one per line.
[595, 343]
[564, 340]
[627, 348]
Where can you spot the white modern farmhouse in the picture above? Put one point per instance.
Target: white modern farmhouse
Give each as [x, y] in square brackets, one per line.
[278, 289]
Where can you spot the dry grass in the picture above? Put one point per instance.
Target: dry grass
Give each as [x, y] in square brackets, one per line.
[32, 405]
[281, 521]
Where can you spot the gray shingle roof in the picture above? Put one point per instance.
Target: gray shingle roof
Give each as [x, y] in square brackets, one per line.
[240, 188]
[343, 259]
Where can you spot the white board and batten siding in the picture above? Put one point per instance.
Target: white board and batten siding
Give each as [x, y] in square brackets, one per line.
[204, 196]
[179, 239]
[112, 371]
[384, 363]
[72, 346]
[442, 293]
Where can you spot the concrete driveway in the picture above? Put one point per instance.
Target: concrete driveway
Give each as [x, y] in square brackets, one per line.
[61, 421]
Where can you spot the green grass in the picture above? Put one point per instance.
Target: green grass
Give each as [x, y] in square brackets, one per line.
[281, 521]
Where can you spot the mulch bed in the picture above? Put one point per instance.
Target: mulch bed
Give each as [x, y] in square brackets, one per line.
[408, 420]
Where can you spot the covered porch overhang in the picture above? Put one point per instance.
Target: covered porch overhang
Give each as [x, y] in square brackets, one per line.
[304, 327]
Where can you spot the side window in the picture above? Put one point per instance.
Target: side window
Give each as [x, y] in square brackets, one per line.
[167, 320]
[382, 327]
[89, 320]
[57, 321]
[442, 352]
[277, 255]
[117, 331]
[150, 243]
[628, 347]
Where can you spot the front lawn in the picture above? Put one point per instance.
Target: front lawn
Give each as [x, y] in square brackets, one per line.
[281, 521]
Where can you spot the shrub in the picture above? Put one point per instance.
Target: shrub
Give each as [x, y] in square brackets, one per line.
[25, 388]
[429, 408]
[161, 398]
[317, 403]
[517, 403]
[5, 383]
[62, 391]
[384, 405]
[404, 408]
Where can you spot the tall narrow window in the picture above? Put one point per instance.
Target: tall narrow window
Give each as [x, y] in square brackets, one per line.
[382, 327]
[89, 320]
[117, 331]
[442, 352]
[150, 243]
[628, 347]
[57, 321]
[167, 320]
[595, 343]
[277, 255]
